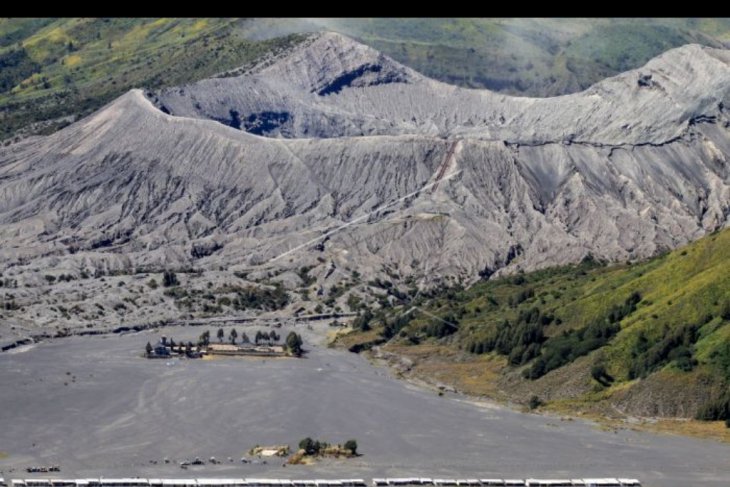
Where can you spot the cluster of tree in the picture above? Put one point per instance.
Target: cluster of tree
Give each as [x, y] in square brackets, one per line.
[521, 341]
[303, 274]
[618, 313]
[312, 447]
[676, 345]
[389, 288]
[15, 66]
[170, 279]
[271, 337]
[61, 278]
[12, 283]
[261, 336]
[251, 297]
[521, 297]
[568, 346]
[362, 321]
[182, 347]
[442, 327]
[315, 447]
[393, 326]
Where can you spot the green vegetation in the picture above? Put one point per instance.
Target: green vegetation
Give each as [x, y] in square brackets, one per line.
[351, 445]
[52, 68]
[534, 402]
[571, 344]
[659, 319]
[239, 298]
[294, 344]
[312, 447]
[542, 57]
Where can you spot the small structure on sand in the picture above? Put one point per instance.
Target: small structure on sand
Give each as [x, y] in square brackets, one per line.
[246, 349]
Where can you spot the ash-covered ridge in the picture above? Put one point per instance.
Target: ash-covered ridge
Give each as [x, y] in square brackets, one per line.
[334, 87]
[633, 165]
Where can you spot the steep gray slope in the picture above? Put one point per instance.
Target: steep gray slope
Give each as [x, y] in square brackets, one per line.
[620, 171]
[333, 86]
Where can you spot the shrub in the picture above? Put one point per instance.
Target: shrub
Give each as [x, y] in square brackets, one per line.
[534, 402]
[600, 375]
[307, 444]
[352, 446]
[715, 409]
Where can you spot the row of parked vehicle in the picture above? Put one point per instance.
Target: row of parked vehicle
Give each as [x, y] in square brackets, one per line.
[407, 482]
[385, 482]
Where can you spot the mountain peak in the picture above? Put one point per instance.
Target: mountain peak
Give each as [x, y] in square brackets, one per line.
[330, 61]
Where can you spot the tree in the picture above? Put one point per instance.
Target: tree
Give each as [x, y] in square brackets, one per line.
[204, 338]
[725, 310]
[221, 334]
[188, 347]
[244, 338]
[599, 373]
[152, 284]
[259, 336]
[148, 348]
[294, 343]
[172, 343]
[273, 336]
[233, 335]
[307, 444]
[169, 279]
[362, 322]
[352, 446]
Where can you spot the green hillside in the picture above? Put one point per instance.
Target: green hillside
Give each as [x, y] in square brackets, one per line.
[54, 68]
[652, 337]
[536, 57]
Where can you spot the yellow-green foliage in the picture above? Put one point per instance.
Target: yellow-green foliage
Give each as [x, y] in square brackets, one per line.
[687, 288]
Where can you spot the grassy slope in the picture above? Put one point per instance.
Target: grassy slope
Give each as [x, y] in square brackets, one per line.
[52, 68]
[689, 287]
[543, 57]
